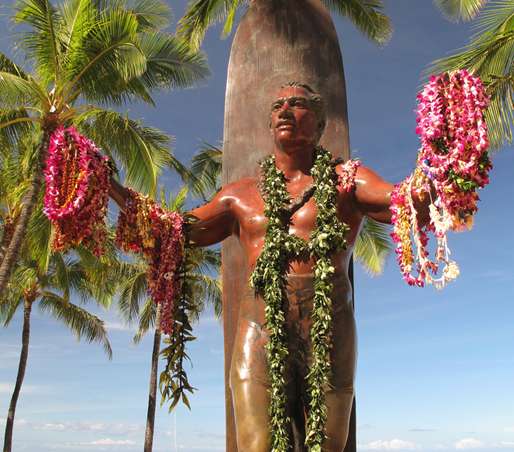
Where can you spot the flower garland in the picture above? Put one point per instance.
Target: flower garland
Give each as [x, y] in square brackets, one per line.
[77, 191]
[452, 164]
[269, 280]
[145, 227]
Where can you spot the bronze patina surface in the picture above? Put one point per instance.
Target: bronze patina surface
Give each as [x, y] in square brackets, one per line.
[275, 42]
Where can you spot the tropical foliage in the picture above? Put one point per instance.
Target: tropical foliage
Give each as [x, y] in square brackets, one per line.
[46, 279]
[84, 55]
[366, 15]
[490, 55]
[456, 10]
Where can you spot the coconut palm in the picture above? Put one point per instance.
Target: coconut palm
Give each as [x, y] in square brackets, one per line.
[490, 55]
[41, 277]
[85, 54]
[135, 305]
[52, 291]
[366, 15]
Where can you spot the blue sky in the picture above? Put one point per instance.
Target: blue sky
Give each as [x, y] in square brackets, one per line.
[435, 369]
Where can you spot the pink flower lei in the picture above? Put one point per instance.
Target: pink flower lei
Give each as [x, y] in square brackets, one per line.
[145, 227]
[77, 180]
[452, 164]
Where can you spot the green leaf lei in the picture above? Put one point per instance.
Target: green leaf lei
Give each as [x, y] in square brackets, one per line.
[269, 280]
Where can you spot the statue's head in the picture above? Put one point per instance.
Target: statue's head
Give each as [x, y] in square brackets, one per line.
[298, 112]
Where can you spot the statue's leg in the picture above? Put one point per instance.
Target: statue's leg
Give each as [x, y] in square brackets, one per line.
[249, 384]
[339, 397]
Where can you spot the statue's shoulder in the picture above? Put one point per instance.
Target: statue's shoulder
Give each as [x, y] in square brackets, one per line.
[241, 186]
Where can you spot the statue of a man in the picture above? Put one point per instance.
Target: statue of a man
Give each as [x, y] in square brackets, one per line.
[296, 125]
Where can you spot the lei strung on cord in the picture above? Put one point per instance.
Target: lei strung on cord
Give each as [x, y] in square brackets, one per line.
[158, 234]
[269, 280]
[452, 164]
[77, 179]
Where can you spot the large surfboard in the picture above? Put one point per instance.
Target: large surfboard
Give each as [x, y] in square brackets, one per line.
[276, 42]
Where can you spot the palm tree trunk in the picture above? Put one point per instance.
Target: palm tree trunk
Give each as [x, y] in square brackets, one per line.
[150, 417]
[21, 374]
[28, 203]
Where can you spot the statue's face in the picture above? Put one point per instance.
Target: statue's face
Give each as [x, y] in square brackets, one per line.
[293, 121]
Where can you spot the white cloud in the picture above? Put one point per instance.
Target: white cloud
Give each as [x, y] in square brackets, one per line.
[53, 427]
[111, 442]
[117, 326]
[100, 444]
[505, 445]
[7, 388]
[118, 428]
[469, 443]
[508, 429]
[393, 444]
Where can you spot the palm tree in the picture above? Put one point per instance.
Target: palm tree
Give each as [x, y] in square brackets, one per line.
[51, 291]
[373, 243]
[135, 305]
[86, 54]
[490, 55]
[366, 15]
[48, 279]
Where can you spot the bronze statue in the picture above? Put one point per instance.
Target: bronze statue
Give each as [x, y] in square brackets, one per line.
[296, 125]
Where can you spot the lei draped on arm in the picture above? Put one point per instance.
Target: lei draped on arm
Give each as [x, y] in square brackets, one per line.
[452, 165]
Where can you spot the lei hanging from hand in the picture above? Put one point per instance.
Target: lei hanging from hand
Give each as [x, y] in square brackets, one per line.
[77, 179]
[452, 165]
[269, 280]
[158, 234]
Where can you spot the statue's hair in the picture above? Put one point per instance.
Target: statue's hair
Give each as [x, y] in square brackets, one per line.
[316, 102]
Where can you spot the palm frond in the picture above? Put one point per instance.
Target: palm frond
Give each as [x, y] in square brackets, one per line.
[143, 151]
[490, 55]
[78, 18]
[7, 65]
[41, 41]
[146, 320]
[107, 59]
[38, 241]
[17, 92]
[366, 15]
[457, 10]
[170, 62]
[82, 323]
[372, 246]
[206, 289]
[8, 308]
[152, 15]
[131, 294]
[206, 171]
[201, 14]
[14, 124]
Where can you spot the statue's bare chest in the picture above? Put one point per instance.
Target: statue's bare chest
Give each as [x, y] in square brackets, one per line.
[253, 222]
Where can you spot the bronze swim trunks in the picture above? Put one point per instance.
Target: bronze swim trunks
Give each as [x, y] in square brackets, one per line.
[249, 369]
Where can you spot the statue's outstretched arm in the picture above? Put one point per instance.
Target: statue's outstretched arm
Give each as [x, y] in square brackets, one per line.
[214, 221]
[211, 223]
[373, 196]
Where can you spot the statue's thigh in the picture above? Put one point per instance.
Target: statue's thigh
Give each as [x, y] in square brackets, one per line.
[339, 397]
[249, 385]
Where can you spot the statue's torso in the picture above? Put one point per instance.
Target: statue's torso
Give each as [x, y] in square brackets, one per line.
[247, 206]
